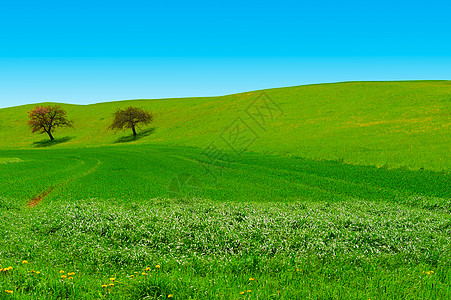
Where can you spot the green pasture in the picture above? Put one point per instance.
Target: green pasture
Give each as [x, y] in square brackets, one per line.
[393, 124]
[302, 228]
[333, 191]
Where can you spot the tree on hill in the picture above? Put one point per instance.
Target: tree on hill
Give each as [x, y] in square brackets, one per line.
[130, 118]
[45, 119]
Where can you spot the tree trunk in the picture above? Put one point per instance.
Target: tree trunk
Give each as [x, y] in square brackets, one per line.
[134, 131]
[50, 135]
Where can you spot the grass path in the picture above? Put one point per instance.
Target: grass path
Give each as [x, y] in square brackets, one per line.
[37, 199]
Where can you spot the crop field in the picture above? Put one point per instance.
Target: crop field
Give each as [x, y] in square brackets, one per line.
[173, 213]
[301, 228]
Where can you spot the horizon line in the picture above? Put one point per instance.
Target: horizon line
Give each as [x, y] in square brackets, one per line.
[247, 91]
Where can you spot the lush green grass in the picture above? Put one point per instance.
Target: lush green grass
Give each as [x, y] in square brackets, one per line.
[8, 160]
[302, 228]
[344, 193]
[145, 172]
[394, 124]
[209, 250]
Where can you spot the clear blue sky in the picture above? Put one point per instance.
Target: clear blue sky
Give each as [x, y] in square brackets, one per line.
[94, 51]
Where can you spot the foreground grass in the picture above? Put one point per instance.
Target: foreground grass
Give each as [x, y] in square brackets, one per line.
[300, 228]
[197, 249]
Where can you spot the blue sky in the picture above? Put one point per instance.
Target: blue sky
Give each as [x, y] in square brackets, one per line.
[94, 51]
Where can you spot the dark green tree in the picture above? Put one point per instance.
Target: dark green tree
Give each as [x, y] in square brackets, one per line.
[130, 118]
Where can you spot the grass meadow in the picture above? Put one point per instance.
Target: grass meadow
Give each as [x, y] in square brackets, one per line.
[341, 191]
[393, 124]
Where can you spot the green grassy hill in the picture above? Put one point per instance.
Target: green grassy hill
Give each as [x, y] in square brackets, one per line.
[177, 213]
[394, 124]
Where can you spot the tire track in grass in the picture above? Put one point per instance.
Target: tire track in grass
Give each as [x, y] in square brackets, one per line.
[38, 199]
[306, 186]
[324, 184]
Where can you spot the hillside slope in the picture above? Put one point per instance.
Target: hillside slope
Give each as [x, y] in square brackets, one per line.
[395, 124]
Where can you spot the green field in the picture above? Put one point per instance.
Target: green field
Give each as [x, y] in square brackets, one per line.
[334, 191]
[395, 124]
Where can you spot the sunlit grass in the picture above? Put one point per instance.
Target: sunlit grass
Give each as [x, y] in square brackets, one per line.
[392, 124]
[346, 195]
[277, 226]
[8, 160]
[349, 249]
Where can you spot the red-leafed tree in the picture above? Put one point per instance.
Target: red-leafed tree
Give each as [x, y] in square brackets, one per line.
[130, 118]
[45, 119]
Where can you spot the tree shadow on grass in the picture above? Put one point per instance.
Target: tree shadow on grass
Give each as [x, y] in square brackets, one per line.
[140, 135]
[49, 143]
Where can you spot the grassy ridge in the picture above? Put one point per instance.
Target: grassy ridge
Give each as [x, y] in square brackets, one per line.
[394, 124]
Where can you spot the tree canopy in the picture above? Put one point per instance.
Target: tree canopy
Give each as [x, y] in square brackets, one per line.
[45, 119]
[130, 118]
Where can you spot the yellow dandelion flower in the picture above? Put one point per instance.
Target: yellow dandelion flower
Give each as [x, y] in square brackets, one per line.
[297, 270]
[70, 278]
[157, 266]
[112, 279]
[63, 276]
[37, 272]
[8, 292]
[71, 273]
[132, 276]
[104, 285]
[251, 279]
[136, 272]
[147, 269]
[248, 291]
[25, 262]
[61, 272]
[143, 273]
[241, 293]
[170, 296]
[111, 284]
